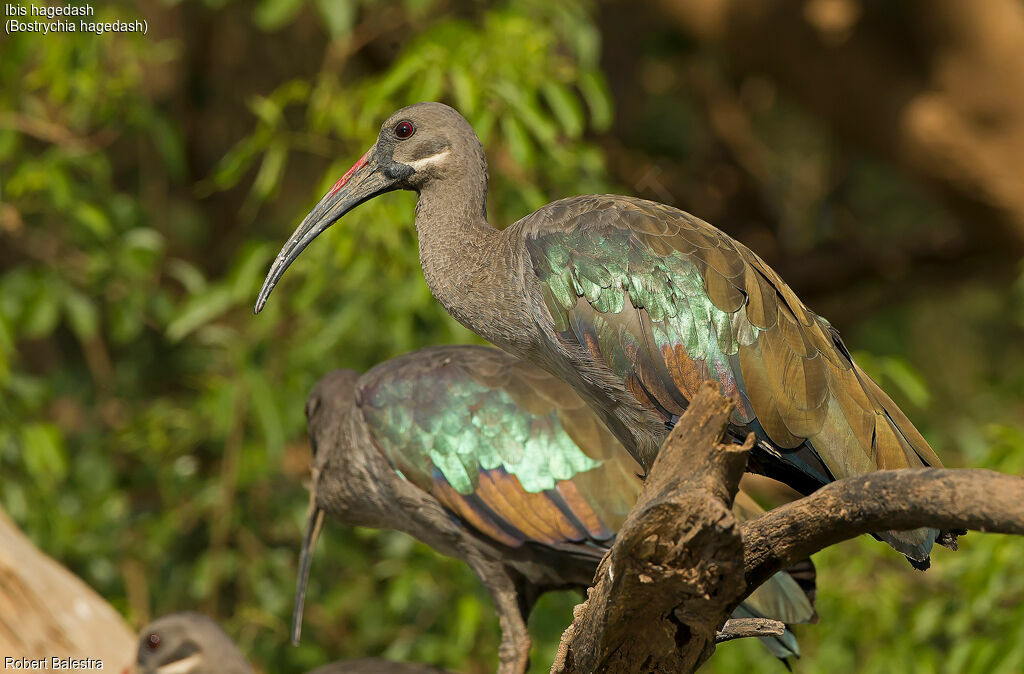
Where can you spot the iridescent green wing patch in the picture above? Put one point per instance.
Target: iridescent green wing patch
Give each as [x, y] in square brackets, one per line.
[649, 317]
[441, 420]
[503, 469]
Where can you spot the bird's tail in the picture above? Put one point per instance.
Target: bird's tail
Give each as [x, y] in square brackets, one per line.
[915, 544]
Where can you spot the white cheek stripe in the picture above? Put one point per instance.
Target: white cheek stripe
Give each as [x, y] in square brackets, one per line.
[183, 666]
[427, 161]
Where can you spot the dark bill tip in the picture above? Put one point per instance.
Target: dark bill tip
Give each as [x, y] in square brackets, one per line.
[361, 182]
[318, 220]
[313, 526]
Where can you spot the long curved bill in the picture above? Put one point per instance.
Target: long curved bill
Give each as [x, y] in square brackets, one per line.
[360, 183]
[313, 526]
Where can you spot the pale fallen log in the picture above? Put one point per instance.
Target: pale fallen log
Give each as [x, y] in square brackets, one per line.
[47, 612]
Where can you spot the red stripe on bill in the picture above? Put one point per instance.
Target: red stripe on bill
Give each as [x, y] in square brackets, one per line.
[348, 174]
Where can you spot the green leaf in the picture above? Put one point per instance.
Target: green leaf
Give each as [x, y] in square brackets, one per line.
[43, 453]
[897, 370]
[6, 349]
[170, 145]
[484, 125]
[94, 220]
[235, 163]
[465, 91]
[271, 15]
[267, 109]
[517, 140]
[430, 86]
[270, 171]
[41, 311]
[909, 381]
[527, 112]
[81, 313]
[566, 107]
[339, 15]
[293, 91]
[125, 322]
[598, 99]
[248, 272]
[198, 311]
[8, 143]
[188, 275]
[143, 239]
[266, 412]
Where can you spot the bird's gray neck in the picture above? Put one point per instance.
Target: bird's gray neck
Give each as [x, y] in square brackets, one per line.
[470, 267]
[220, 654]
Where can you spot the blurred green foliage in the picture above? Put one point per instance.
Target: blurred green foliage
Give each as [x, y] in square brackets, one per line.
[151, 429]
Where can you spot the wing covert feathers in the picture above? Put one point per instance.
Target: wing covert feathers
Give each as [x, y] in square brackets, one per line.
[507, 448]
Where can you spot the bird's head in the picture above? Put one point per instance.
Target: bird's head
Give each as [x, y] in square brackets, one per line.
[327, 413]
[188, 643]
[419, 145]
[343, 482]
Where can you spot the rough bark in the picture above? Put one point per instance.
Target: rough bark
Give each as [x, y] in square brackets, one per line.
[46, 611]
[933, 86]
[741, 628]
[675, 571]
[982, 500]
[681, 563]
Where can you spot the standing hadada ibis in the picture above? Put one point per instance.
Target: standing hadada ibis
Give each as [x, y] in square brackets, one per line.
[634, 304]
[489, 459]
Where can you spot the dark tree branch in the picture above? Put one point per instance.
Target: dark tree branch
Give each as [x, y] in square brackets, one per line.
[894, 499]
[741, 628]
[681, 563]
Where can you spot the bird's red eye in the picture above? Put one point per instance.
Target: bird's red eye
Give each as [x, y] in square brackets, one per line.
[153, 641]
[404, 129]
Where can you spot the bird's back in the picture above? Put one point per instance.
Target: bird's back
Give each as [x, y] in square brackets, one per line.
[661, 301]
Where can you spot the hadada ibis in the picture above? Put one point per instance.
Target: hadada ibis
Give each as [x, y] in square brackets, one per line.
[491, 460]
[634, 304]
[192, 643]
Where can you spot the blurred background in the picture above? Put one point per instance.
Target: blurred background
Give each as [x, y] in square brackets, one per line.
[151, 428]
